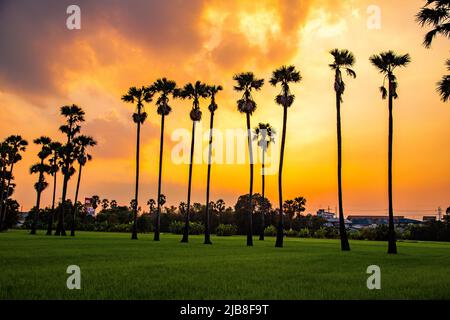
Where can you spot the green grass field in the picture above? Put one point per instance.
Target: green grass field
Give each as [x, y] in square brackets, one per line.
[114, 267]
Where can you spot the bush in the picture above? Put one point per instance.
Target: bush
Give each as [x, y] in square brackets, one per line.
[270, 231]
[355, 235]
[292, 233]
[321, 233]
[176, 227]
[303, 233]
[226, 230]
[195, 228]
[120, 228]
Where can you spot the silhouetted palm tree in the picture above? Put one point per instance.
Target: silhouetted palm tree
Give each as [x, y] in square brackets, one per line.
[212, 91]
[40, 168]
[113, 204]
[247, 82]
[386, 63]
[164, 88]
[264, 133]
[151, 205]
[81, 144]
[74, 116]
[138, 96]
[436, 14]
[284, 76]
[343, 59]
[13, 145]
[220, 207]
[105, 204]
[55, 147]
[193, 92]
[444, 85]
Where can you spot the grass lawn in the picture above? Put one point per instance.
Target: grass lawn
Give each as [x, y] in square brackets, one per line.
[114, 267]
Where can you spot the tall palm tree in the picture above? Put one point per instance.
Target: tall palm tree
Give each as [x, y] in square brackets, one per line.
[164, 88]
[55, 148]
[436, 14]
[220, 207]
[14, 146]
[40, 168]
[81, 142]
[444, 85]
[212, 91]
[386, 63]
[192, 92]
[138, 96]
[342, 59]
[283, 75]
[265, 134]
[74, 117]
[246, 83]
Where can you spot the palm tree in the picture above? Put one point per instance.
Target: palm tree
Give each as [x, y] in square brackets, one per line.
[138, 96]
[264, 133]
[343, 59]
[435, 13]
[81, 143]
[14, 146]
[105, 204]
[151, 205]
[55, 148]
[194, 92]
[164, 88]
[386, 63]
[284, 76]
[95, 202]
[113, 204]
[247, 82]
[41, 168]
[220, 207]
[74, 116]
[444, 85]
[212, 91]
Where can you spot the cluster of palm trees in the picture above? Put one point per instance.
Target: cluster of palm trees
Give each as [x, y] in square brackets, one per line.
[247, 83]
[53, 156]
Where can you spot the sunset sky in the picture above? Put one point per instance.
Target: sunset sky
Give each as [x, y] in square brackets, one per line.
[43, 66]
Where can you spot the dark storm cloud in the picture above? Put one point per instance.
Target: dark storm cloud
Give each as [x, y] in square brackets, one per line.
[33, 33]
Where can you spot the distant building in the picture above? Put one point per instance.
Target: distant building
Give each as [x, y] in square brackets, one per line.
[372, 221]
[88, 206]
[428, 218]
[332, 220]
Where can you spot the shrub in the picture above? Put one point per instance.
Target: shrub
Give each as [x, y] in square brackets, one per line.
[321, 233]
[226, 230]
[196, 228]
[355, 235]
[176, 227]
[303, 233]
[120, 228]
[270, 231]
[292, 233]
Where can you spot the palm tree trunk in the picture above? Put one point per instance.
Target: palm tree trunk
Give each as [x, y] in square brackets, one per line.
[345, 246]
[263, 211]
[392, 247]
[250, 210]
[280, 229]
[51, 214]
[60, 228]
[4, 210]
[186, 223]
[38, 201]
[208, 181]
[158, 212]
[136, 190]
[75, 207]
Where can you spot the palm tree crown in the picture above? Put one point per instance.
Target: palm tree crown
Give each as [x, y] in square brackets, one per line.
[444, 85]
[265, 134]
[165, 88]
[246, 82]
[82, 142]
[285, 75]
[138, 96]
[343, 59]
[212, 91]
[386, 63]
[194, 92]
[435, 13]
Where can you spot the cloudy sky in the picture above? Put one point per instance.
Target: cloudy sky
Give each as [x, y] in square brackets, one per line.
[43, 66]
